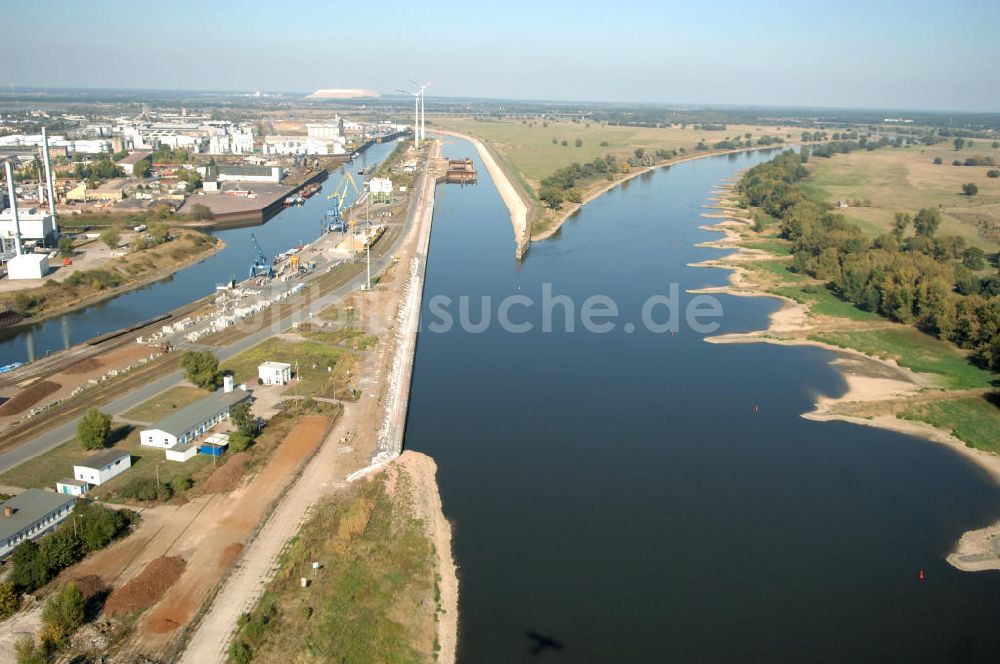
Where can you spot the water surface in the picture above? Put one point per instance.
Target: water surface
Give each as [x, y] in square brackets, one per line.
[615, 497]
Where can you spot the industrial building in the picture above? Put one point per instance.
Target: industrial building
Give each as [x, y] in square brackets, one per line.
[274, 373]
[188, 423]
[128, 162]
[291, 145]
[102, 466]
[31, 514]
[36, 225]
[236, 173]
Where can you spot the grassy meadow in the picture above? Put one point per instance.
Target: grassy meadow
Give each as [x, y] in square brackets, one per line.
[906, 180]
[529, 147]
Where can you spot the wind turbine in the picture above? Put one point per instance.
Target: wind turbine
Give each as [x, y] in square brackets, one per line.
[423, 113]
[416, 114]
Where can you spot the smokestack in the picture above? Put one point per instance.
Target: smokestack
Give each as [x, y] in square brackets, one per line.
[227, 383]
[48, 179]
[12, 195]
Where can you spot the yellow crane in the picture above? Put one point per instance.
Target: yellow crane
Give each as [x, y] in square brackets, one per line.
[334, 219]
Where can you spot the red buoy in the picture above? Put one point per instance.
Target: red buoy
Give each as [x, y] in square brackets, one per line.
[755, 408]
[921, 575]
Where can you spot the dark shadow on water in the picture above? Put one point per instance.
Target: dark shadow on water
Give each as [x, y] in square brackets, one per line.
[540, 643]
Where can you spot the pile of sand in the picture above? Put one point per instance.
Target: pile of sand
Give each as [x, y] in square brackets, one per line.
[146, 588]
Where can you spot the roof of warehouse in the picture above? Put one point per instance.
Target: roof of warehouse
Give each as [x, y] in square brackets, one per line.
[29, 507]
[179, 422]
[102, 459]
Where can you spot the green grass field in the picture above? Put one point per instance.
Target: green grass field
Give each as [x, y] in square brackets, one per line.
[322, 366]
[160, 406]
[906, 180]
[973, 420]
[915, 350]
[823, 302]
[528, 147]
[373, 600]
[45, 470]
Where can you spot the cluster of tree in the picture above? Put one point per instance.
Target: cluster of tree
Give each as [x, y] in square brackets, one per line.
[91, 527]
[62, 615]
[561, 186]
[98, 171]
[202, 368]
[808, 137]
[247, 427]
[93, 430]
[921, 279]
[155, 235]
[846, 146]
[710, 126]
[191, 177]
[165, 155]
[978, 160]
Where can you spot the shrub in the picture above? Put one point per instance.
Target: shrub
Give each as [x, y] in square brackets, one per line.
[9, 600]
[202, 368]
[63, 613]
[28, 652]
[970, 189]
[994, 173]
[938, 160]
[93, 429]
[141, 488]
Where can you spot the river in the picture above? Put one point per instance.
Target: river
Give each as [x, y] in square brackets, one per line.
[290, 227]
[646, 497]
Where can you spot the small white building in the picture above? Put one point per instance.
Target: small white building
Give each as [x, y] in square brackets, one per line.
[182, 453]
[101, 467]
[186, 424]
[30, 515]
[28, 266]
[274, 373]
[72, 487]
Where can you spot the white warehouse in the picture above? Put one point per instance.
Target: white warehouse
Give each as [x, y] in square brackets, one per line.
[101, 467]
[189, 422]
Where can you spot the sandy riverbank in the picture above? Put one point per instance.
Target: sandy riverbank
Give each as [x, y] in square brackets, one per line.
[867, 378]
[508, 192]
[427, 507]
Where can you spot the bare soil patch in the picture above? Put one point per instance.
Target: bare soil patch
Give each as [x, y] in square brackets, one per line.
[227, 476]
[146, 588]
[28, 397]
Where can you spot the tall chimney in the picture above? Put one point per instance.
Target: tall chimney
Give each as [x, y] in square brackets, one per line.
[12, 195]
[48, 180]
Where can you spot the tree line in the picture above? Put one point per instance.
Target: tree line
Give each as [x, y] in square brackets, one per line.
[910, 274]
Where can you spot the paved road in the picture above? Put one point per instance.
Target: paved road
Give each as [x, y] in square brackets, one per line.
[59, 434]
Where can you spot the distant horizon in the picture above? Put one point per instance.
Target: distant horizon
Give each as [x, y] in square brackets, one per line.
[9, 93]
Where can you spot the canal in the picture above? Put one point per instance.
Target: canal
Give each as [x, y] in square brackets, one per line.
[290, 227]
[646, 496]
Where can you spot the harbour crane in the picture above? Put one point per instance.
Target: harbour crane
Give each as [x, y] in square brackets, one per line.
[334, 219]
[261, 266]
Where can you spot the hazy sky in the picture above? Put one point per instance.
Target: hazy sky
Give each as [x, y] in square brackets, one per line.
[884, 54]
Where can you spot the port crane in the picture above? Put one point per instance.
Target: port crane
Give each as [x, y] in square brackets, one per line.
[261, 266]
[334, 219]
